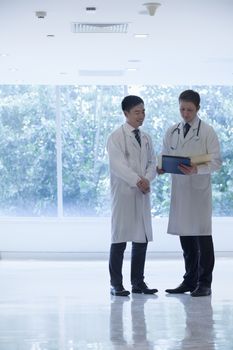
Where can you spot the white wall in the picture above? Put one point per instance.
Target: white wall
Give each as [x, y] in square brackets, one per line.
[91, 235]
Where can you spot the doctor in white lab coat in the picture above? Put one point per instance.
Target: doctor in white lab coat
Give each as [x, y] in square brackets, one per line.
[132, 168]
[190, 214]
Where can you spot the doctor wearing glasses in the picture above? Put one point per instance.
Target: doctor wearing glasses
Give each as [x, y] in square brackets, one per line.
[190, 214]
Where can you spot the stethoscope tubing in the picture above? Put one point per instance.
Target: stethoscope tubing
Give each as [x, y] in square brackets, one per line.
[177, 128]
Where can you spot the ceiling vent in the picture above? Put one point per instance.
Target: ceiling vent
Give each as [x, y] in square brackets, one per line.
[115, 28]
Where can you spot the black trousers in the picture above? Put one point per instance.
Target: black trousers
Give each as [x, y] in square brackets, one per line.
[198, 253]
[138, 257]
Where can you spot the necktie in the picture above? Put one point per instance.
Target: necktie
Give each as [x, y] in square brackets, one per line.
[137, 136]
[186, 128]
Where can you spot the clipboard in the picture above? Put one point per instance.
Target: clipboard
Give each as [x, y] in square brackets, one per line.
[170, 163]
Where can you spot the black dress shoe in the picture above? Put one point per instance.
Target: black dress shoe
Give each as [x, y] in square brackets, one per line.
[119, 291]
[143, 289]
[182, 288]
[201, 291]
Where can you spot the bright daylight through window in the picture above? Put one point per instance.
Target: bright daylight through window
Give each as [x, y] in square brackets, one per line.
[28, 169]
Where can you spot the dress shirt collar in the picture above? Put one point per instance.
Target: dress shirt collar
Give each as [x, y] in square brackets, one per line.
[192, 123]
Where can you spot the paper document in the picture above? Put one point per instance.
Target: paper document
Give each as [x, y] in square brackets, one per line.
[201, 159]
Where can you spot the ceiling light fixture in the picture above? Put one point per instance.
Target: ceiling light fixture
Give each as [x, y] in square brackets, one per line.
[134, 61]
[151, 7]
[141, 36]
[13, 70]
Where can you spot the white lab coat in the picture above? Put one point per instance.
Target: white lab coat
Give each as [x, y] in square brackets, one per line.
[191, 195]
[131, 210]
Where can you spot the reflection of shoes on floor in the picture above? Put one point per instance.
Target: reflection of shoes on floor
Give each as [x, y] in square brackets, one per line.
[142, 288]
[119, 301]
[201, 291]
[182, 288]
[143, 298]
[119, 291]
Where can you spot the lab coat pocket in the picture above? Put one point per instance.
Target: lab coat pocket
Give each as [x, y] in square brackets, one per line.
[200, 182]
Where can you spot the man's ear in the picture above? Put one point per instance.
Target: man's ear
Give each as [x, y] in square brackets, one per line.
[198, 108]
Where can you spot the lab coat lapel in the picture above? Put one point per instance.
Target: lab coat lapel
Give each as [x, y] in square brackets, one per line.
[130, 134]
[182, 139]
[144, 141]
[192, 132]
[135, 142]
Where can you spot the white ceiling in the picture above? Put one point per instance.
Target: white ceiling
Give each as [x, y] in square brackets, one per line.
[189, 42]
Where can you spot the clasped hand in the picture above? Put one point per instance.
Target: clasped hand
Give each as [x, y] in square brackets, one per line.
[143, 185]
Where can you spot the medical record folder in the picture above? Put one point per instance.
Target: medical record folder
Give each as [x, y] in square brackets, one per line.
[170, 163]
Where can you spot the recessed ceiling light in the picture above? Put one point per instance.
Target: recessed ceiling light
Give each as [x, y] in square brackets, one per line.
[141, 36]
[134, 61]
[13, 70]
[4, 54]
[131, 69]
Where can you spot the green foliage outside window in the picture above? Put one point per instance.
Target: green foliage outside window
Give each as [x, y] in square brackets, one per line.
[89, 115]
[27, 151]
[28, 170]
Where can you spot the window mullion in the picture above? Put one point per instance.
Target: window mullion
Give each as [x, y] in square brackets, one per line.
[59, 154]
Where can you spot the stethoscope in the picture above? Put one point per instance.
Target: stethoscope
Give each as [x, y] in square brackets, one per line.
[177, 128]
[126, 147]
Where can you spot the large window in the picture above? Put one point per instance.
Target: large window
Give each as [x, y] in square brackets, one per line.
[27, 151]
[29, 145]
[88, 115]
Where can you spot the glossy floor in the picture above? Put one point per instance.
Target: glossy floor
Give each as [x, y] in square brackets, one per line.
[55, 305]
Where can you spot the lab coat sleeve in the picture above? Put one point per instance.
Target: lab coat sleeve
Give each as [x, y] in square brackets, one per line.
[166, 146]
[213, 148]
[118, 163]
[151, 168]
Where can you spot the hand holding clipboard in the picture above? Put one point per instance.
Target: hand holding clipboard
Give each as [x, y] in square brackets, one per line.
[181, 165]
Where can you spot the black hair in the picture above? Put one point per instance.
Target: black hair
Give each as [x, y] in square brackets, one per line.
[130, 101]
[190, 96]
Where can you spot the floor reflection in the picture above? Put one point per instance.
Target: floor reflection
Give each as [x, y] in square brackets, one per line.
[117, 335]
[199, 324]
[119, 322]
[43, 306]
[139, 324]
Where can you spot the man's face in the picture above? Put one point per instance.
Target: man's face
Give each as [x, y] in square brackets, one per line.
[188, 111]
[135, 117]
